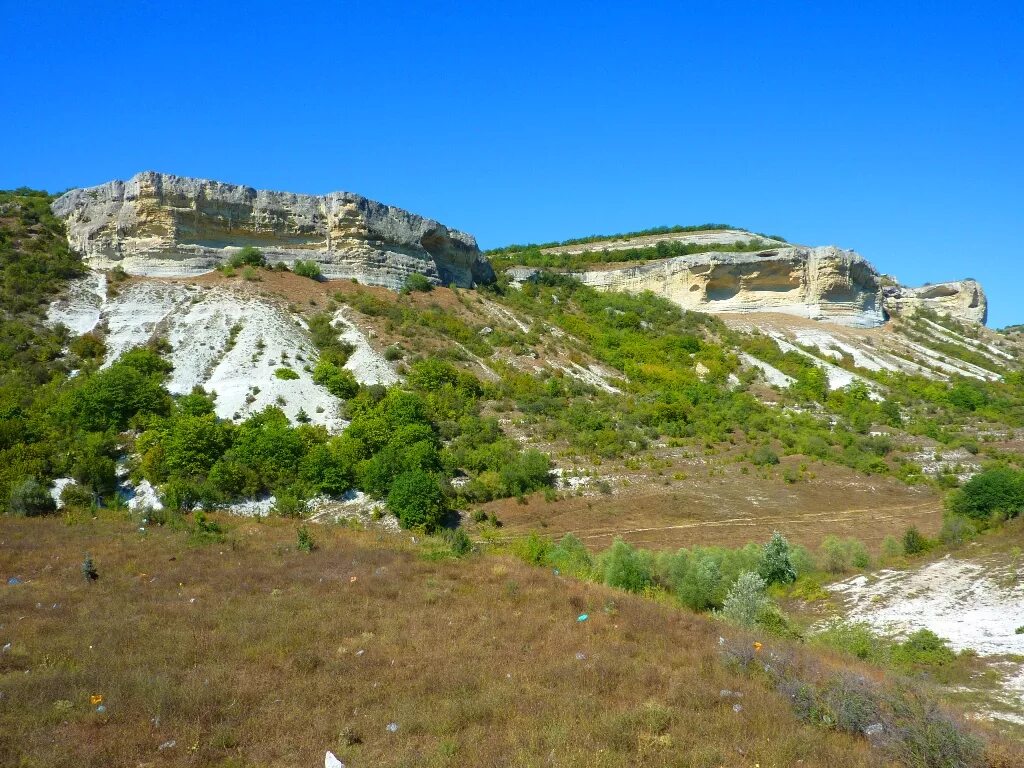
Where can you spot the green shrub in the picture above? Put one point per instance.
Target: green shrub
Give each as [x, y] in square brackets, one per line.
[746, 600]
[923, 649]
[250, 274]
[30, 499]
[956, 530]
[532, 549]
[892, 547]
[287, 504]
[776, 566]
[625, 568]
[89, 571]
[855, 638]
[835, 556]
[458, 541]
[286, 373]
[700, 588]
[995, 490]
[308, 269]
[339, 381]
[247, 256]
[417, 282]
[763, 456]
[913, 541]
[416, 500]
[305, 540]
[76, 496]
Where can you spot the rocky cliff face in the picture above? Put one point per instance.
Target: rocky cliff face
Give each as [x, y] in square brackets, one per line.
[158, 224]
[826, 283]
[961, 299]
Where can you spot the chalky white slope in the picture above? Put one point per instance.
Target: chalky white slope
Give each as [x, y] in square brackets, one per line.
[228, 342]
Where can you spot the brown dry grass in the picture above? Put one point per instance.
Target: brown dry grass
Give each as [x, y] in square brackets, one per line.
[251, 653]
[726, 507]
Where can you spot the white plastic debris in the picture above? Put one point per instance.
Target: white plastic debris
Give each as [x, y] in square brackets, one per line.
[330, 761]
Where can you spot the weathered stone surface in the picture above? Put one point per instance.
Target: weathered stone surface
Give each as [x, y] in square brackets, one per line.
[825, 283]
[961, 299]
[159, 224]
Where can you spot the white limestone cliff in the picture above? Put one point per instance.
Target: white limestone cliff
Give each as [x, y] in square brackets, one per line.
[164, 225]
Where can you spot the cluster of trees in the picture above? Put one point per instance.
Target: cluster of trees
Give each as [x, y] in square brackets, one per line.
[733, 581]
[402, 445]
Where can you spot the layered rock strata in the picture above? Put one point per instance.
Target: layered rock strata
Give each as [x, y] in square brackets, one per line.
[159, 224]
[825, 283]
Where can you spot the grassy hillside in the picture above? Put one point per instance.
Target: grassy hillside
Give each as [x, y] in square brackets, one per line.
[238, 649]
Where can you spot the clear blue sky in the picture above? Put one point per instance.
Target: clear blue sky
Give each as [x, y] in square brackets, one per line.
[893, 128]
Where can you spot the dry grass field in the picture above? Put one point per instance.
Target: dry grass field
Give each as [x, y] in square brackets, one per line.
[725, 506]
[251, 653]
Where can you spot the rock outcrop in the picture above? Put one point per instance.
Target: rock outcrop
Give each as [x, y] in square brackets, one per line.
[961, 299]
[826, 283]
[158, 224]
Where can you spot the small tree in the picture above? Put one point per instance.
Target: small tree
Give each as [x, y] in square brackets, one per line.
[776, 564]
[29, 499]
[416, 500]
[89, 569]
[305, 540]
[835, 558]
[746, 600]
[625, 568]
[913, 541]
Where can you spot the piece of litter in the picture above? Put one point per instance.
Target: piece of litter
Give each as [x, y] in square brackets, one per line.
[557, 572]
[392, 727]
[95, 699]
[580, 655]
[330, 761]
[7, 647]
[737, 708]
[360, 652]
[873, 730]
[167, 745]
[352, 580]
[192, 600]
[582, 617]
[101, 709]
[13, 581]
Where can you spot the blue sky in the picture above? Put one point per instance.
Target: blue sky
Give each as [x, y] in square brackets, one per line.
[893, 128]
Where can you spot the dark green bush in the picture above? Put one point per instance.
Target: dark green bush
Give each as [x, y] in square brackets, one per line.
[996, 490]
[416, 500]
[308, 269]
[247, 256]
[30, 499]
[417, 282]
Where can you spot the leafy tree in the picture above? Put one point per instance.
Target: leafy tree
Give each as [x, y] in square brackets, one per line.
[416, 500]
[913, 541]
[999, 489]
[700, 588]
[29, 499]
[746, 600]
[776, 565]
[625, 568]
